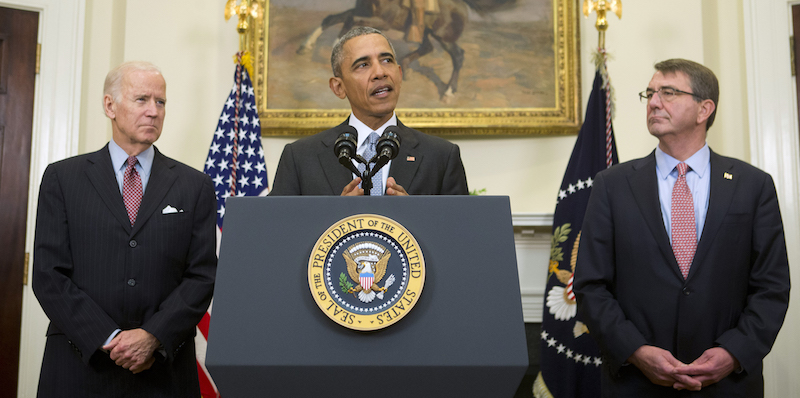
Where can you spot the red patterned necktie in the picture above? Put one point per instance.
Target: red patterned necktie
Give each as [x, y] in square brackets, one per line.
[684, 233]
[132, 189]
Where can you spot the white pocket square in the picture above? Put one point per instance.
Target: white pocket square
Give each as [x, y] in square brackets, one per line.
[169, 210]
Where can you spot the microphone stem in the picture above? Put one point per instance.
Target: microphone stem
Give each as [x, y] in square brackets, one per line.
[366, 180]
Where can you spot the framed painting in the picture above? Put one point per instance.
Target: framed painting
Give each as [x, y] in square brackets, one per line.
[517, 64]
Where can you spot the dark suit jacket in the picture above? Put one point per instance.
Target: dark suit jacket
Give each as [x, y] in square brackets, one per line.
[425, 165]
[630, 291]
[93, 273]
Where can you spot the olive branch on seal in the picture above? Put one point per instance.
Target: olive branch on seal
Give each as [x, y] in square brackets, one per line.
[344, 284]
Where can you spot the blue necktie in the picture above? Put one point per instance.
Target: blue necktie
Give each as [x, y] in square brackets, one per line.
[369, 153]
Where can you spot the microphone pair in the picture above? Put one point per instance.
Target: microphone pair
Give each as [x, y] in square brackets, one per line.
[386, 149]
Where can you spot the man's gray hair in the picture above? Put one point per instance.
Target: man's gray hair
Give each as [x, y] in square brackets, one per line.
[702, 80]
[337, 55]
[113, 83]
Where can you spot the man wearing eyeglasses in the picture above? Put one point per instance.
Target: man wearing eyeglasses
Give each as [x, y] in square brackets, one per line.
[682, 273]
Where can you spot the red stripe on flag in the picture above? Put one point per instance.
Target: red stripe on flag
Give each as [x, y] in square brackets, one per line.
[203, 325]
[207, 389]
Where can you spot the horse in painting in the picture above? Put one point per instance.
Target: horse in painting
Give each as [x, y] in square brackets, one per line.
[445, 26]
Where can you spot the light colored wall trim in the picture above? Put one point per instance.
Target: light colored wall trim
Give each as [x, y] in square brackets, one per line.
[532, 260]
[55, 136]
[774, 145]
[532, 243]
[532, 220]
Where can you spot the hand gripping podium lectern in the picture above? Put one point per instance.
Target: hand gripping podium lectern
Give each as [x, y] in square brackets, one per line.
[464, 337]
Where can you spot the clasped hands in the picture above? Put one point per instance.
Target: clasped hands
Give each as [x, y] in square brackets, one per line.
[133, 349]
[662, 368]
[392, 188]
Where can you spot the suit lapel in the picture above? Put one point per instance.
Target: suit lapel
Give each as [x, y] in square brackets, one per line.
[405, 165]
[645, 192]
[161, 179]
[336, 174]
[102, 177]
[720, 196]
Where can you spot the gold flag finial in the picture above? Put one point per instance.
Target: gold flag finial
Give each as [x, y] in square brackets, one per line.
[245, 10]
[601, 6]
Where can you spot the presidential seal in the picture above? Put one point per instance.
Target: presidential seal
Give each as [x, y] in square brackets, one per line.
[366, 272]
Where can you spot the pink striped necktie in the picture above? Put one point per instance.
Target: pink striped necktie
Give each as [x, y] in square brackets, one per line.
[684, 233]
[132, 189]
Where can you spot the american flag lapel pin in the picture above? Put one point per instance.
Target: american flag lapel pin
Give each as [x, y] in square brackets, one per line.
[727, 176]
[410, 158]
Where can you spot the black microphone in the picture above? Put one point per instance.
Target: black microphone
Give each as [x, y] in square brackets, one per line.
[345, 149]
[388, 147]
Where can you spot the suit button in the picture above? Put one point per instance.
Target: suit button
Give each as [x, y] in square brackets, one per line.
[132, 243]
[131, 282]
[686, 291]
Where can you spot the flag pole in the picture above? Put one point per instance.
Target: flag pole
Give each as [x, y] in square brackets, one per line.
[246, 10]
[602, 6]
[570, 360]
[235, 161]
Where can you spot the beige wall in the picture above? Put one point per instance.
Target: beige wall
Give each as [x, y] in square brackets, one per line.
[191, 43]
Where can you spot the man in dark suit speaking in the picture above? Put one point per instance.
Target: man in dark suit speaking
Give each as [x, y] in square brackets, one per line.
[366, 72]
[124, 257]
[682, 275]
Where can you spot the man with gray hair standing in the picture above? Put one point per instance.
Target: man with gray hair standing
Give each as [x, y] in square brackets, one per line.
[366, 72]
[682, 274]
[124, 256]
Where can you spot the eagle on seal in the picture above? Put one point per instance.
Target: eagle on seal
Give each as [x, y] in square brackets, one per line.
[366, 265]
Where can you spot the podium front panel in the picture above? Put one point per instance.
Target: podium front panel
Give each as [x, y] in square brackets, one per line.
[465, 336]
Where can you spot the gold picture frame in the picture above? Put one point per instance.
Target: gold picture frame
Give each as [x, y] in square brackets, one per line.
[560, 114]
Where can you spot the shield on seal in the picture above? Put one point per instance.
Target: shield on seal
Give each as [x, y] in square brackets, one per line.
[366, 277]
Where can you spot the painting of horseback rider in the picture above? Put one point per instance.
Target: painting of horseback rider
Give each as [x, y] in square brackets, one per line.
[430, 35]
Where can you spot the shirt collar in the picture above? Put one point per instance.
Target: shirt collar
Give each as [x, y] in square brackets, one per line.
[364, 130]
[119, 158]
[698, 162]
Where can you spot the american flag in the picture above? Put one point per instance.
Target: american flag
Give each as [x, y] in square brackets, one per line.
[236, 159]
[236, 165]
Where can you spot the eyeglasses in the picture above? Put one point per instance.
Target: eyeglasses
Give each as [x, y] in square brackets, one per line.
[667, 94]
